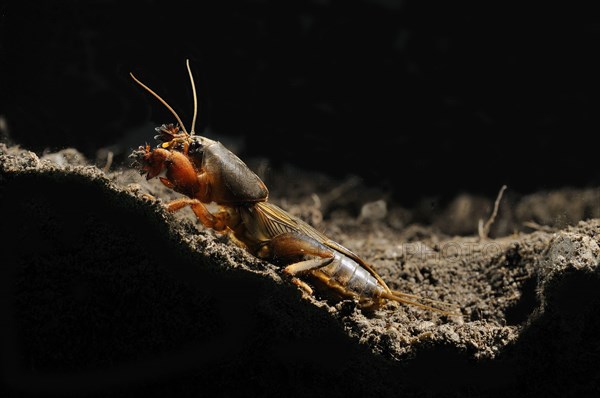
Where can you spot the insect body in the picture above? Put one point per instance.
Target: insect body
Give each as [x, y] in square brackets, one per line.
[206, 172]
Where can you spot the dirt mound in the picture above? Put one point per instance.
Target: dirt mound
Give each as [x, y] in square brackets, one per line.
[104, 292]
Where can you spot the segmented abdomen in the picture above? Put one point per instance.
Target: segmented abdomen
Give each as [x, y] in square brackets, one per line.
[352, 276]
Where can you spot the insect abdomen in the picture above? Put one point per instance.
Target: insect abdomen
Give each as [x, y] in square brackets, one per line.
[349, 274]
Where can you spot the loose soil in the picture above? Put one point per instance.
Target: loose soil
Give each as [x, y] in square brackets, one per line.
[107, 293]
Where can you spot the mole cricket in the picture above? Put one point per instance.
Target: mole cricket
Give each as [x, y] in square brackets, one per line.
[207, 173]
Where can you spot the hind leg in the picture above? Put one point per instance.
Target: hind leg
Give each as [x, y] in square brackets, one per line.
[292, 245]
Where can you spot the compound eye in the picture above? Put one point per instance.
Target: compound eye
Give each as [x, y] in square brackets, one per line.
[195, 147]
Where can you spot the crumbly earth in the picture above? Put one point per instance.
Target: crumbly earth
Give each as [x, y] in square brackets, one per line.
[106, 293]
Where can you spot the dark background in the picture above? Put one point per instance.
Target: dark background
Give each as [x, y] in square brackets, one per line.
[419, 97]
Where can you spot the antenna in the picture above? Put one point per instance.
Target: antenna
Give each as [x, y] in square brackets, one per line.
[165, 102]
[187, 62]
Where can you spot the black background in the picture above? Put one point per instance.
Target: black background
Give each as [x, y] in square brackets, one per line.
[420, 97]
[425, 99]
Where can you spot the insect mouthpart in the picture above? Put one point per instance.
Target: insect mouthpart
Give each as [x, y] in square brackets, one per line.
[167, 133]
